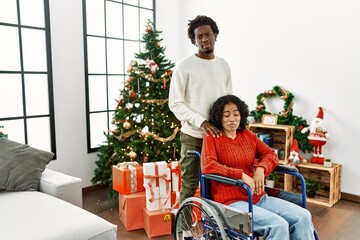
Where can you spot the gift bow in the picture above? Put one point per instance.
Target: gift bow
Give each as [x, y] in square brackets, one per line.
[125, 165]
[176, 170]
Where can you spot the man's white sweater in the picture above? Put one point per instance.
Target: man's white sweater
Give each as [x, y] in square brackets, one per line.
[196, 83]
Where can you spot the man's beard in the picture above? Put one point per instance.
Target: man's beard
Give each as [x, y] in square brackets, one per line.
[209, 51]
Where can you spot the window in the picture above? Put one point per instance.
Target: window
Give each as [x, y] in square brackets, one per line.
[26, 95]
[113, 33]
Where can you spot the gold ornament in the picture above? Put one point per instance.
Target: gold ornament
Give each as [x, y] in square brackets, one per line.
[126, 125]
[132, 155]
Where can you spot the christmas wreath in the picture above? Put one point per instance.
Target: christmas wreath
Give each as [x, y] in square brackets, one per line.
[285, 117]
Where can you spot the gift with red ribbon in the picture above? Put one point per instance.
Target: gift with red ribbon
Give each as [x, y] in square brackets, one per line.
[128, 178]
[157, 185]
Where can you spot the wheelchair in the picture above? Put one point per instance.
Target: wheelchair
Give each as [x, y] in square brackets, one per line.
[207, 219]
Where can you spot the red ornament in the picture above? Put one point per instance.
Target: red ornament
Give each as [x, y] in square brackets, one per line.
[119, 103]
[132, 94]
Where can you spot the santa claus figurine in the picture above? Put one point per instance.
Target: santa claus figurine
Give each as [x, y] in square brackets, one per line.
[294, 158]
[318, 136]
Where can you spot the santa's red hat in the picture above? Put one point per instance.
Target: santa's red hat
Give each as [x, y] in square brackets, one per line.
[295, 146]
[320, 113]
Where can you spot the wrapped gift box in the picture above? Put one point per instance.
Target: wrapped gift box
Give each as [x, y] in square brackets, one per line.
[157, 185]
[131, 210]
[158, 198]
[128, 178]
[175, 176]
[157, 223]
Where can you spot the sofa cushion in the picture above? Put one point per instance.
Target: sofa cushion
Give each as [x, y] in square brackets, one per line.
[21, 166]
[35, 215]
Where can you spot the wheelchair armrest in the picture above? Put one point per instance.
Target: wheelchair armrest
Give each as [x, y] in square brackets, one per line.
[222, 179]
[283, 168]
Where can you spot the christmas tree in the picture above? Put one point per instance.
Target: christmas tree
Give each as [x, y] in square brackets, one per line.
[145, 130]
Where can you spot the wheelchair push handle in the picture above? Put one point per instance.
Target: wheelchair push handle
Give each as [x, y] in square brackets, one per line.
[193, 152]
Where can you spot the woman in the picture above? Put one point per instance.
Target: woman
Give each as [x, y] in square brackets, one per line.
[238, 153]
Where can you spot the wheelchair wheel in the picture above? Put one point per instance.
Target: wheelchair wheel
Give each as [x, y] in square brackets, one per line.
[200, 219]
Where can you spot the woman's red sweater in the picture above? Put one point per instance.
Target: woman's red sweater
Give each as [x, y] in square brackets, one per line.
[231, 157]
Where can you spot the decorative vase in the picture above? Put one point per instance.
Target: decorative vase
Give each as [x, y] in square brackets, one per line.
[270, 183]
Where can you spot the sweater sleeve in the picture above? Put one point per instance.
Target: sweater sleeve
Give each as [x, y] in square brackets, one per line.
[177, 103]
[210, 162]
[266, 156]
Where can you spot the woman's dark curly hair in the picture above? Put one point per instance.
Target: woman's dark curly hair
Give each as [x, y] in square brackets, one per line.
[217, 109]
[201, 20]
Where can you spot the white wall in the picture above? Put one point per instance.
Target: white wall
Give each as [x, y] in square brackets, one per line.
[310, 48]
[307, 47]
[69, 91]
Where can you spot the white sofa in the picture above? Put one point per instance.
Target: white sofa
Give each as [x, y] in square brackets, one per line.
[53, 212]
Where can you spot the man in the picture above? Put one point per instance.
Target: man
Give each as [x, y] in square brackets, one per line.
[197, 81]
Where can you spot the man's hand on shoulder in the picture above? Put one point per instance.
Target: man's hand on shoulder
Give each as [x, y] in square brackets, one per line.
[209, 128]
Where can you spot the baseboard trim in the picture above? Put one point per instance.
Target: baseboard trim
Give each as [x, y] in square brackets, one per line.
[93, 188]
[350, 197]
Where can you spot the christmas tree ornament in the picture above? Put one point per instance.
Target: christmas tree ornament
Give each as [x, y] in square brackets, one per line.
[152, 65]
[132, 155]
[132, 94]
[294, 158]
[318, 136]
[145, 158]
[119, 103]
[148, 28]
[126, 125]
[113, 121]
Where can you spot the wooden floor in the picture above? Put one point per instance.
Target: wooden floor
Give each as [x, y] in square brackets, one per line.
[340, 222]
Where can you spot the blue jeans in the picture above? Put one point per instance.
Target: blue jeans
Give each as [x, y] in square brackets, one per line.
[290, 197]
[278, 219]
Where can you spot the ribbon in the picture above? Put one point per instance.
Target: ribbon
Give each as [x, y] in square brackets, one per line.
[125, 165]
[176, 171]
[177, 200]
[133, 179]
[156, 178]
[133, 173]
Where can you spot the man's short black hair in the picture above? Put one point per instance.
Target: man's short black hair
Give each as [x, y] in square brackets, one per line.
[201, 20]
